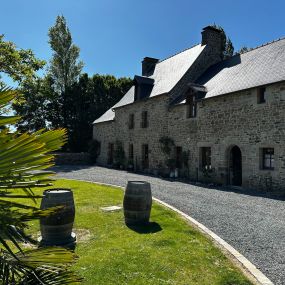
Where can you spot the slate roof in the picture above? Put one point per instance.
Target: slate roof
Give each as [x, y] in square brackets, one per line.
[260, 66]
[110, 114]
[166, 74]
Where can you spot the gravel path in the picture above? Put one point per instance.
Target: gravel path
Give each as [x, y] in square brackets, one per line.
[252, 224]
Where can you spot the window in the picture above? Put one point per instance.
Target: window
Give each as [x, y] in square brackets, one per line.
[144, 123]
[206, 158]
[110, 153]
[178, 157]
[261, 95]
[191, 106]
[268, 158]
[131, 121]
[131, 152]
[145, 151]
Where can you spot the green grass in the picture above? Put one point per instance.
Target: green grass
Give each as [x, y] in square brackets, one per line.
[112, 253]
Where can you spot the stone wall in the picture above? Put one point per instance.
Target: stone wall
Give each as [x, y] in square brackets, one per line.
[238, 119]
[109, 132]
[67, 158]
[222, 122]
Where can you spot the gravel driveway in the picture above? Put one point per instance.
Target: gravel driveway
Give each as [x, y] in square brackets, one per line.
[252, 224]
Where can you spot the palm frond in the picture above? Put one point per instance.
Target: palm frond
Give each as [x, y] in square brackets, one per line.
[8, 120]
[48, 266]
[23, 156]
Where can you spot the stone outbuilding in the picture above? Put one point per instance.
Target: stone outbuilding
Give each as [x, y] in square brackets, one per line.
[196, 115]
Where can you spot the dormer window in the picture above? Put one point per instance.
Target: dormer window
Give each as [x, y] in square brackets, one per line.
[143, 87]
[191, 104]
[261, 95]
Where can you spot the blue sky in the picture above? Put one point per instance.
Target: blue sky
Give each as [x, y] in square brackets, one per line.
[114, 35]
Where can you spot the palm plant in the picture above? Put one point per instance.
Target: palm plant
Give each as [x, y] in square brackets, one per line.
[23, 156]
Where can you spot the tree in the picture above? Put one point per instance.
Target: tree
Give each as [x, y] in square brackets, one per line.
[22, 157]
[32, 105]
[227, 45]
[88, 99]
[229, 49]
[243, 50]
[65, 99]
[64, 66]
[19, 64]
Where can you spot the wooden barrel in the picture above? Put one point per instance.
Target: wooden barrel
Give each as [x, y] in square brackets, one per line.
[137, 202]
[57, 228]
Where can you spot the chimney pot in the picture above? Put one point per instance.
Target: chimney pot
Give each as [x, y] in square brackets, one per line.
[148, 65]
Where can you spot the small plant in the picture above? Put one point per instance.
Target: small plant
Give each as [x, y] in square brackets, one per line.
[171, 163]
[207, 171]
[167, 145]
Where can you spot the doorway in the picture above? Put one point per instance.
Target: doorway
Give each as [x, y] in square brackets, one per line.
[235, 166]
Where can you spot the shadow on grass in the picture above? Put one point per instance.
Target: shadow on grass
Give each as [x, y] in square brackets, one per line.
[147, 228]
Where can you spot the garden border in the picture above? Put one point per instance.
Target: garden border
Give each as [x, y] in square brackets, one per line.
[241, 261]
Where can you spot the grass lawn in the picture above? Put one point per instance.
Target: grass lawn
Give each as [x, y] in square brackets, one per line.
[169, 251]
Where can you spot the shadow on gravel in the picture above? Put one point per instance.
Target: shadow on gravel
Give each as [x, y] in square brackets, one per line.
[149, 228]
[244, 191]
[144, 176]
[70, 168]
[233, 189]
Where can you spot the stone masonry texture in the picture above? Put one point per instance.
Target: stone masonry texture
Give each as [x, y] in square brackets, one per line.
[222, 122]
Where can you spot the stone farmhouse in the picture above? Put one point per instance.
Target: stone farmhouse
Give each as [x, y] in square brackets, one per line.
[213, 120]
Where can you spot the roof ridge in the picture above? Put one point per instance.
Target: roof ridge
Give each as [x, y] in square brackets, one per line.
[251, 49]
[177, 53]
[260, 46]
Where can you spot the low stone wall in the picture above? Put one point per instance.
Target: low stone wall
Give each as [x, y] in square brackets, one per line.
[72, 158]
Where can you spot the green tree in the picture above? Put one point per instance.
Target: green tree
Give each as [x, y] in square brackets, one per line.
[88, 99]
[227, 45]
[229, 49]
[243, 50]
[65, 67]
[64, 98]
[19, 64]
[38, 105]
[22, 157]
[33, 104]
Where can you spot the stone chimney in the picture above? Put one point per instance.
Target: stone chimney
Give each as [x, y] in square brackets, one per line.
[213, 38]
[148, 66]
